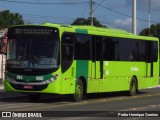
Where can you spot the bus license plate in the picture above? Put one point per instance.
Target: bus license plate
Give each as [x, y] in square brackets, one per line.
[27, 86]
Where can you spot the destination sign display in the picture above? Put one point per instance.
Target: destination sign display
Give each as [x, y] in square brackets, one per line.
[33, 31]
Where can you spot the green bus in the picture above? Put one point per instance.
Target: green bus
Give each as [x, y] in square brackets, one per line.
[77, 60]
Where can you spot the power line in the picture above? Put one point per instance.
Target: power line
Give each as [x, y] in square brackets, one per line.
[74, 3]
[42, 3]
[98, 6]
[85, 9]
[112, 10]
[123, 13]
[93, 9]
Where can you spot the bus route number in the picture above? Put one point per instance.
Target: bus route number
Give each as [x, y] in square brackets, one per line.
[19, 77]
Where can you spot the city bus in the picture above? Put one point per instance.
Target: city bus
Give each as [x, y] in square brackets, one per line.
[78, 60]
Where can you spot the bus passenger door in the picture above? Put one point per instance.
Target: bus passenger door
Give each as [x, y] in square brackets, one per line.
[97, 63]
[149, 64]
[68, 69]
[149, 59]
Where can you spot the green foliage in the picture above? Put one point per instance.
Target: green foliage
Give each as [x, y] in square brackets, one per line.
[154, 31]
[84, 21]
[8, 19]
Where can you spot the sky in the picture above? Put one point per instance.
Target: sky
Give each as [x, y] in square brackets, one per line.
[112, 13]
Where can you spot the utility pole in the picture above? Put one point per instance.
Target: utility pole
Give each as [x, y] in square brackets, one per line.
[134, 24]
[149, 16]
[91, 13]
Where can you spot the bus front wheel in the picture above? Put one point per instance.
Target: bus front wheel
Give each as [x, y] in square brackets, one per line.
[78, 95]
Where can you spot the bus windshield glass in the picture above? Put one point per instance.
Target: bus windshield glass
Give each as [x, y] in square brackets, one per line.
[33, 52]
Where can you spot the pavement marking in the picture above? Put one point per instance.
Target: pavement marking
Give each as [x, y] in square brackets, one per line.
[152, 106]
[132, 108]
[15, 106]
[142, 108]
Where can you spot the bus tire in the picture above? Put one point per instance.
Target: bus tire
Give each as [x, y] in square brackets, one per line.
[34, 97]
[78, 95]
[133, 87]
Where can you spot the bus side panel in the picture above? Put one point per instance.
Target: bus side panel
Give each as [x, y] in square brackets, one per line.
[152, 80]
[109, 75]
[82, 67]
[117, 75]
[156, 73]
[68, 80]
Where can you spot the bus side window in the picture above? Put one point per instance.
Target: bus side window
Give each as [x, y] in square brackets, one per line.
[151, 51]
[82, 47]
[155, 51]
[67, 51]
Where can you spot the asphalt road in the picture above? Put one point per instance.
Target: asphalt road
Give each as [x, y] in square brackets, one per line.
[147, 102]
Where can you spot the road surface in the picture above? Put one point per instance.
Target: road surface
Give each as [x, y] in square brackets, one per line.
[146, 103]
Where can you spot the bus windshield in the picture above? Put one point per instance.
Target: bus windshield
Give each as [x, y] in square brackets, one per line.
[36, 53]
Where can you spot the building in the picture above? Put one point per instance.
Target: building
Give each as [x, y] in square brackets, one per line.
[3, 44]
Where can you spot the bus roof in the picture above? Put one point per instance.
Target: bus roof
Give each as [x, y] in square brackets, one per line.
[97, 31]
[102, 30]
[91, 28]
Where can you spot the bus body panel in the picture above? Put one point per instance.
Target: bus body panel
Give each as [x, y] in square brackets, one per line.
[100, 76]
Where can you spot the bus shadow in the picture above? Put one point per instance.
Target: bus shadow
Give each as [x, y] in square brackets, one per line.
[111, 95]
[49, 98]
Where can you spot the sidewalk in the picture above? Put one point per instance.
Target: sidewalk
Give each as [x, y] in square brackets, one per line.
[1, 84]
[1, 87]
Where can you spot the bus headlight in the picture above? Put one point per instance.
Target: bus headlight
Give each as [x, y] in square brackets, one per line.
[51, 79]
[10, 79]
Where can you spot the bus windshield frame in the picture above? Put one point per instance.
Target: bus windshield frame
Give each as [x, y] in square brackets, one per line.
[33, 50]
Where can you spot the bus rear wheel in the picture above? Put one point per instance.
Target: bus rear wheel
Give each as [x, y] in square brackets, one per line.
[133, 87]
[78, 95]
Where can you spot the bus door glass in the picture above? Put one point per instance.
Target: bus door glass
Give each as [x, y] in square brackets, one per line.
[67, 61]
[97, 63]
[151, 57]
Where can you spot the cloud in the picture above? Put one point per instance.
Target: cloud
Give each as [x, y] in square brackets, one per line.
[124, 23]
[143, 4]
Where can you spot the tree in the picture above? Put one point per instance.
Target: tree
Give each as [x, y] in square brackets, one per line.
[84, 21]
[153, 31]
[8, 19]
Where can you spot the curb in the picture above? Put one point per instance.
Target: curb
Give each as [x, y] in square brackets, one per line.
[154, 87]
